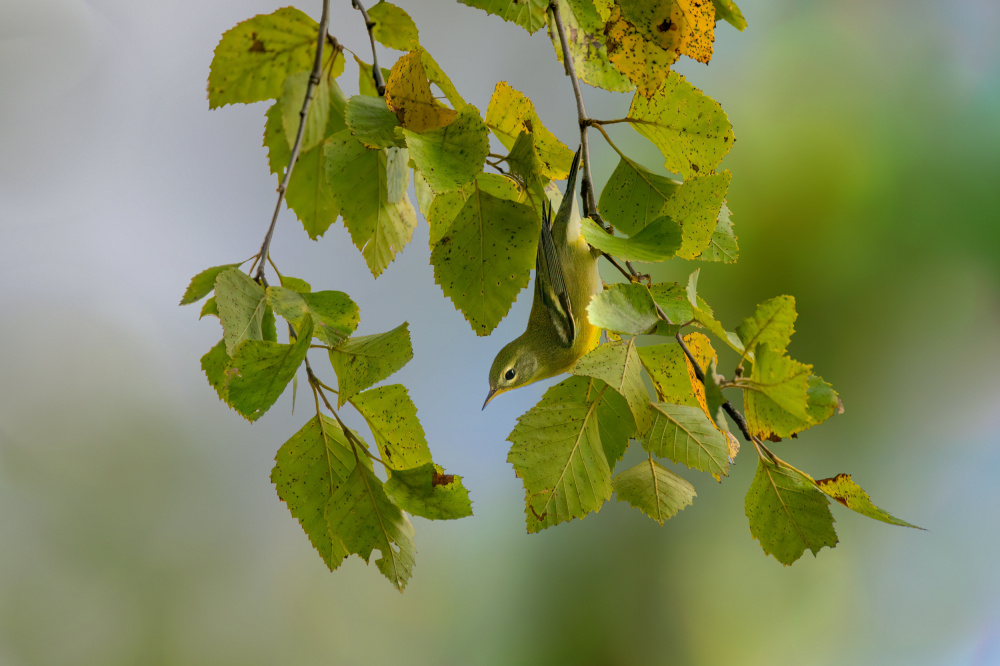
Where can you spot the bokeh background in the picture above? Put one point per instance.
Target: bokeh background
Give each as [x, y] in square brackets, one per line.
[137, 522]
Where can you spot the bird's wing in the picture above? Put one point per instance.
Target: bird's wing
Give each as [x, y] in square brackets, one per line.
[550, 283]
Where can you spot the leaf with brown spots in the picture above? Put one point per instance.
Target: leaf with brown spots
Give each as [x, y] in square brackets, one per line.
[685, 27]
[408, 93]
[843, 489]
[588, 45]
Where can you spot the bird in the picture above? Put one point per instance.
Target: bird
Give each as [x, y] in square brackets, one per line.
[558, 333]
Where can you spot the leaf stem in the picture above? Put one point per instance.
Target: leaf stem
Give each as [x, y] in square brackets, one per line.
[589, 199]
[314, 78]
[369, 24]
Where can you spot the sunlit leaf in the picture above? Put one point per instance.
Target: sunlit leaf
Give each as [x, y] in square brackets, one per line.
[730, 13]
[689, 128]
[775, 398]
[654, 490]
[408, 93]
[634, 197]
[683, 26]
[644, 62]
[686, 435]
[722, 246]
[773, 323]
[511, 113]
[695, 207]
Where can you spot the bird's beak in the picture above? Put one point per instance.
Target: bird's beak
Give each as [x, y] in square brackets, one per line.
[492, 393]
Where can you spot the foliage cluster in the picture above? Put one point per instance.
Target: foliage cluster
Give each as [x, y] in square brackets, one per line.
[351, 158]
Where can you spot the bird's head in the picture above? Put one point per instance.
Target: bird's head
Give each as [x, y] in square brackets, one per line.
[515, 365]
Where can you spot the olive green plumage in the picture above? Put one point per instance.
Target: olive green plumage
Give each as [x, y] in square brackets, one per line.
[558, 331]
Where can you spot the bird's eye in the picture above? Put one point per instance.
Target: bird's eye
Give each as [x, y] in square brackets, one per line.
[509, 375]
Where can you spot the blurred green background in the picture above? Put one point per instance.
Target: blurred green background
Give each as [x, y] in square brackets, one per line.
[137, 522]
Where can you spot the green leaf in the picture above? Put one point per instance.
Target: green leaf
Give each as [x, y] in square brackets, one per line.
[359, 182]
[253, 59]
[689, 128]
[654, 490]
[295, 284]
[843, 489]
[624, 308]
[775, 398]
[730, 13]
[363, 517]
[696, 207]
[393, 27]
[364, 360]
[203, 283]
[668, 370]
[485, 256]
[211, 307]
[672, 299]
[437, 76]
[425, 195]
[686, 435]
[772, 323]
[427, 492]
[450, 157]
[722, 246]
[618, 364]
[787, 513]
[634, 197]
[557, 452]
[268, 325]
[334, 314]
[823, 400]
[314, 461]
[529, 14]
[392, 418]
[308, 193]
[292, 97]
[241, 303]
[615, 423]
[213, 364]
[372, 122]
[260, 370]
[586, 39]
[511, 113]
[657, 242]
[366, 79]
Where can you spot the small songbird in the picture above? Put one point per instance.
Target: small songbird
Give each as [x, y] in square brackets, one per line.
[566, 278]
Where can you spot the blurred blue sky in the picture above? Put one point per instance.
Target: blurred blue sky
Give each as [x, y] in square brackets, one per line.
[137, 522]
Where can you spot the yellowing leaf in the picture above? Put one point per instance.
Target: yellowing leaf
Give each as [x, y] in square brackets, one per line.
[723, 245]
[776, 398]
[408, 94]
[511, 113]
[683, 26]
[392, 418]
[695, 206]
[843, 489]
[253, 59]
[701, 349]
[644, 62]
[773, 322]
[689, 128]
[585, 36]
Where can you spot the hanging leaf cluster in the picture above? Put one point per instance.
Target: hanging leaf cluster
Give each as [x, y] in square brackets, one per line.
[354, 157]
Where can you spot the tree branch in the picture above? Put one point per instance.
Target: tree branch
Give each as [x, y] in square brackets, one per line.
[314, 78]
[376, 70]
[589, 198]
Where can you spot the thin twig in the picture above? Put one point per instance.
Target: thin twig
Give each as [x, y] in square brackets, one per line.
[376, 70]
[314, 78]
[589, 198]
